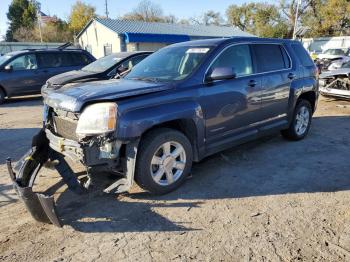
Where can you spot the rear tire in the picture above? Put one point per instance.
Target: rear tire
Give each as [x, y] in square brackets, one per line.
[301, 122]
[164, 160]
[2, 96]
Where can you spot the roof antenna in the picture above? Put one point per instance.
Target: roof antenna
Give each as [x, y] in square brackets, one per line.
[106, 5]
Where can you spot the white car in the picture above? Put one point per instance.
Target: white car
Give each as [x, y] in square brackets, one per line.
[336, 83]
[334, 53]
[334, 58]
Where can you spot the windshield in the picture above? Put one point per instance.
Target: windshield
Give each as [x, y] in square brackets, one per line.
[169, 64]
[4, 58]
[102, 64]
[346, 65]
[335, 52]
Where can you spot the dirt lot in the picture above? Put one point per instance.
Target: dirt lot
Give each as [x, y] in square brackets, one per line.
[269, 200]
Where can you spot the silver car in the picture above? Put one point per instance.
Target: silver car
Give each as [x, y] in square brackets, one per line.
[336, 83]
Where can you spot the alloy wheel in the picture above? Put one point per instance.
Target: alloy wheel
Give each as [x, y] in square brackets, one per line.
[302, 120]
[168, 163]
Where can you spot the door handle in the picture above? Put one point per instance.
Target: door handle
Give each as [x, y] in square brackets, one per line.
[291, 76]
[252, 83]
[45, 71]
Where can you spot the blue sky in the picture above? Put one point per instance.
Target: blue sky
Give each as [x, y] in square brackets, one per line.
[179, 8]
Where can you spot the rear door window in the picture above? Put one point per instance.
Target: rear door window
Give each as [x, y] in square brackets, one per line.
[303, 55]
[53, 60]
[237, 57]
[270, 57]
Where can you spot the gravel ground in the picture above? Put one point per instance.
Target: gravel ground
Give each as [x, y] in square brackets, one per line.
[269, 200]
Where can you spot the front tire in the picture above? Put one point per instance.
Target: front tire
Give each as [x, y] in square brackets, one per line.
[164, 161]
[301, 122]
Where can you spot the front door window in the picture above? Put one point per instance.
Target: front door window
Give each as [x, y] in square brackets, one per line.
[236, 57]
[24, 62]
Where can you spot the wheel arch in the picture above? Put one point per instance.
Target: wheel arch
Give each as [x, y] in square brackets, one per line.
[309, 96]
[183, 125]
[184, 116]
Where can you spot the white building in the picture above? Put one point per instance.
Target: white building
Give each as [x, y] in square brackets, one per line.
[103, 36]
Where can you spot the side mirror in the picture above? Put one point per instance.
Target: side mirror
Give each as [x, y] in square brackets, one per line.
[8, 68]
[220, 73]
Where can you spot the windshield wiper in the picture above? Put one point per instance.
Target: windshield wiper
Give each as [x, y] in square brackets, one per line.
[150, 79]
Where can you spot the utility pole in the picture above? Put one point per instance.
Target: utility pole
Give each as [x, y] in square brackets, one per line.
[106, 5]
[39, 24]
[296, 19]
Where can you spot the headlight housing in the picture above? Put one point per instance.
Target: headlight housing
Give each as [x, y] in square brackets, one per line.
[97, 119]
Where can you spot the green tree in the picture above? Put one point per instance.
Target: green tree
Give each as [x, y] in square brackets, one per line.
[21, 13]
[335, 16]
[260, 19]
[80, 15]
[53, 31]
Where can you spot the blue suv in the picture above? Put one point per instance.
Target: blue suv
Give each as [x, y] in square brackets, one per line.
[25, 72]
[178, 105]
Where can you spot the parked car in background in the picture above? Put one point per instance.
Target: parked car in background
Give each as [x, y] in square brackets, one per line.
[104, 68]
[336, 83]
[333, 58]
[25, 72]
[179, 105]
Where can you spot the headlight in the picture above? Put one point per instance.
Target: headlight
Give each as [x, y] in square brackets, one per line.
[97, 119]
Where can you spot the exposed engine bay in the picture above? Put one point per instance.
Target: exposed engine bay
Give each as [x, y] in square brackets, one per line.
[335, 83]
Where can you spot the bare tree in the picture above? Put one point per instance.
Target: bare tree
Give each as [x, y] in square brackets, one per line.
[212, 18]
[146, 11]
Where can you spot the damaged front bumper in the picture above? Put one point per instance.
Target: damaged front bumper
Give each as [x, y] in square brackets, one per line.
[48, 147]
[336, 88]
[41, 207]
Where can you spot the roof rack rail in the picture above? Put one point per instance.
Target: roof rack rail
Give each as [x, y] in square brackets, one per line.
[64, 46]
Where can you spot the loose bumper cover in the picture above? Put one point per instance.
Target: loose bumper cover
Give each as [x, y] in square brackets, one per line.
[41, 206]
[48, 147]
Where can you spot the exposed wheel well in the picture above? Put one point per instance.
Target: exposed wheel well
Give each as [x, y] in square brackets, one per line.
[311, 97]
[185, 126]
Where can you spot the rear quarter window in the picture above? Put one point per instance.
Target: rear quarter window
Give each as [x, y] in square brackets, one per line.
[302, 55]
[270, 57]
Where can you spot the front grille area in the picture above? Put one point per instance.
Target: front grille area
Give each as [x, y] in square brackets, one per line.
[65, 127]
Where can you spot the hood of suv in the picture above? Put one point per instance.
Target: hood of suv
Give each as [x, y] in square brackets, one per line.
[331, 57]
[336, 72]
[72, 97]
[71, 76]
